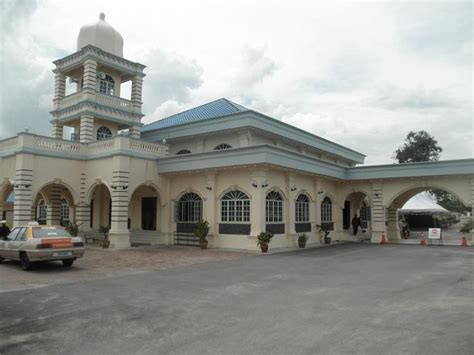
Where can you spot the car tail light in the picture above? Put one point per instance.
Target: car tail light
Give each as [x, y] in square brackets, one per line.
[44, 246]
[78, 244]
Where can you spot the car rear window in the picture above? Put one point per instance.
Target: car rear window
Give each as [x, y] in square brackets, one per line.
[49, 232]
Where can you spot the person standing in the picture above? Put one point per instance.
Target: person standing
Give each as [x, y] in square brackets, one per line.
[4, 230]
[355, 225]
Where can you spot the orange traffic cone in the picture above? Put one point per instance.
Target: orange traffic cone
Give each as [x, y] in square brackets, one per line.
[422, 239]
[463, 240]
[383, 241]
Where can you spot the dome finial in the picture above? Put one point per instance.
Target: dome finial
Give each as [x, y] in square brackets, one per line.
[102, 16]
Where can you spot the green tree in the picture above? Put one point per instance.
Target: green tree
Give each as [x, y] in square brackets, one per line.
[418, 146]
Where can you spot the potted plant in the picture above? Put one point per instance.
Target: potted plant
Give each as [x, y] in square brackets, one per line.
[324, 230]
[263, 240]
[302, 238]
[201, 231]
[105, 243]
[72, 228]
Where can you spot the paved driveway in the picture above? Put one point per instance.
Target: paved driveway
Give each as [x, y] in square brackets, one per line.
[362, 299]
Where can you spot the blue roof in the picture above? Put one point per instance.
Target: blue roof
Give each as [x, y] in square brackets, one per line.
[218, 108]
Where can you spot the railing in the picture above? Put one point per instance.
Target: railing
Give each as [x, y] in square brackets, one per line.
[57, 145]
[76, 150]
[113, 101]
[101, 99]
[9, 143]
[101, 146]
[148, 147]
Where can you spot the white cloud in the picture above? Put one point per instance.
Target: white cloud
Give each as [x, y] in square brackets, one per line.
[360, 74]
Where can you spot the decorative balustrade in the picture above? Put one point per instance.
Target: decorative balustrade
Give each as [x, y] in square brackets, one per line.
[76, 150]
[148, 147]
[8, 144]
[101, 146]
[113, 101]
[57, 145]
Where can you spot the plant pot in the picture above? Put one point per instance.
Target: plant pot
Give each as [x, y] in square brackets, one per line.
[264, 248]
[105, 244]
[301, 243]
[203, 244]
[327, 240]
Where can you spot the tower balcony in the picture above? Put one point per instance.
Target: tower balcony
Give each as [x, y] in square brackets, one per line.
[98, 104]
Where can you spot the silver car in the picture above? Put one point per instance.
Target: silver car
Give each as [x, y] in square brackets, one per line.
[35, 243]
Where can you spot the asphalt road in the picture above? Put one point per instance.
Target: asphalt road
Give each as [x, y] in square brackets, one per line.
[358, 299]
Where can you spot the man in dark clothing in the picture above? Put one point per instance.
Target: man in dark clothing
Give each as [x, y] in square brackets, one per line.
[4, 230]
[355, 224]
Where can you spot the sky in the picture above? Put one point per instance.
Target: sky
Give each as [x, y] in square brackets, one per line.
[361, 74]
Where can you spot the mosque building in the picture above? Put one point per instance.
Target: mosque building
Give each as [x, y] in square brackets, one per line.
[240, 170]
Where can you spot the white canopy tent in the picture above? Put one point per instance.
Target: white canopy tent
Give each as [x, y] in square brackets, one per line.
[422, 203]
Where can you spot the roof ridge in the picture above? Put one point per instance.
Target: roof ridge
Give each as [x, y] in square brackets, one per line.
[235, 105]
[189, 109]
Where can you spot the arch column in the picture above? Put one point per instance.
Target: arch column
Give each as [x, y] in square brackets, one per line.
[257, 207]
[291, 217]
[119, 234]
[23, 189]
[378, 213]
[393, 230]
[54, 209]
[210, 207]
[83, 216]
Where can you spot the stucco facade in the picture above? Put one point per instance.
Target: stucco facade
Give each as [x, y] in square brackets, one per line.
[242, 171]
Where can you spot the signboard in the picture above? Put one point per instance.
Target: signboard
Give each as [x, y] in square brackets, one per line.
[434, 233]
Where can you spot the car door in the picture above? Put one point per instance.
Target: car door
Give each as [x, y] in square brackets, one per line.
[16, 244]
[5, 251]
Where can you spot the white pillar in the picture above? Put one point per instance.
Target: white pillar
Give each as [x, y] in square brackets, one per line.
[393, 230]
[378, 213]
[87, 128]
[90, 75]
[210, 208]
[23, 189]
[291, 217]
[119, 234]
[257, 207]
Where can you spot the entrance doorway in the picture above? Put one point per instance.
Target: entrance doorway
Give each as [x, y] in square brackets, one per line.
[346, 215]
[149, 213]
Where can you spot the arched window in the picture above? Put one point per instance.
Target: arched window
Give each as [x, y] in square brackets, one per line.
[223, 146]
[302, 209]
[106, 85]
[326, 210]
[103, 133]
[235, 207]
[183, 151]
[274, 207]
[365, 212]
[42, 212]
[64, 213]
[189, 208]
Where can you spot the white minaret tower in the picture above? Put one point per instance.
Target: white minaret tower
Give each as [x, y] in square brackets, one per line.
[96, 111]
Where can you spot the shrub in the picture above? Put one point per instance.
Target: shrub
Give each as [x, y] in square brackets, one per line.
[201, 230]
[264, 238]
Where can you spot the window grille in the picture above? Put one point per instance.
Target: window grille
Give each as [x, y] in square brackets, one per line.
[184, 151]
[223, 146]
[302, 209]
[365, 212]
[106, 85]
[235, 207]
[103, 133]
[326, 210]
[189, 208]
[42, 211]
[64, 211]
[274, 208]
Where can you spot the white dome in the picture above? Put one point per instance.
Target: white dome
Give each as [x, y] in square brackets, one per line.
[101, 34]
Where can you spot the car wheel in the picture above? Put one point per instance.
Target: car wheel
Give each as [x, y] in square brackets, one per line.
[68, 262]
[25, 262]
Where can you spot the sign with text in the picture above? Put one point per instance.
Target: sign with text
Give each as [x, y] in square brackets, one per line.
[434, 233]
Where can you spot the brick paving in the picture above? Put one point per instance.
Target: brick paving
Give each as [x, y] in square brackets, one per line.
[101, 263]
